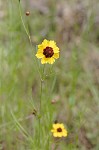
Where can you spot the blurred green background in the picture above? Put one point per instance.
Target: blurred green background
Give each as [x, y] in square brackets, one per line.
[74, 25]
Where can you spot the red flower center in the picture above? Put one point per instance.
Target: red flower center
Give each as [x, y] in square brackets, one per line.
[48, 52]
[59, 130]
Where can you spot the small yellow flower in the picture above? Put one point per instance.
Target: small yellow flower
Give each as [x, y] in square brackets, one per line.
[59, 130]
[47, 52]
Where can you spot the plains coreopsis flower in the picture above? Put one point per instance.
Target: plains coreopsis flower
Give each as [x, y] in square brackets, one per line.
[59, 130]
[47, 52]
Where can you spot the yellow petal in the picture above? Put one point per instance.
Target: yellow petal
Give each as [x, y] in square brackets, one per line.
[62, 126]
[45, 43]
[58, 125]
[51, 60]
[55, 126]
[64, 134]
[56, 49]
[39, 55]
[52, 44]
[56, 55]
[59, 134]
[40, 46]
[55, 134]
[43, 61]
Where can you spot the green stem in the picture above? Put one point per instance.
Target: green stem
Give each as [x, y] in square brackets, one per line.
[56, 143]
[56, 146]
[40, 115]
[40, 105]
[29, 37]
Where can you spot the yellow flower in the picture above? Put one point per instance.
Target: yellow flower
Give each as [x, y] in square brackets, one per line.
[59, 130]
[47, 52]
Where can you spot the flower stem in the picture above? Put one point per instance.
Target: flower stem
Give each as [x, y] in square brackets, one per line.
[40, 104]
[29, 37]
[56, 144]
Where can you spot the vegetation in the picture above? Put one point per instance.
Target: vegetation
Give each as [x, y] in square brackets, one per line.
[70, 87]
